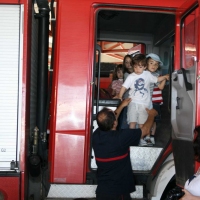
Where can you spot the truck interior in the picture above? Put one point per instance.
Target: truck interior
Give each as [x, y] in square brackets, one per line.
[120, 31]
[154, 31]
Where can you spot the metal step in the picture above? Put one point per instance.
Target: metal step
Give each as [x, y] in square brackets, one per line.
[79, 199]
[73, 191]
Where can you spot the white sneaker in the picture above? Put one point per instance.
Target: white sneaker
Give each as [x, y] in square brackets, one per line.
[152, 140]
[148, 141]
[142, 143]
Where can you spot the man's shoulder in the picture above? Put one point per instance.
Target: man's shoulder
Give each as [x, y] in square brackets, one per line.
[100, 132]
[96, 131]
[129, 132]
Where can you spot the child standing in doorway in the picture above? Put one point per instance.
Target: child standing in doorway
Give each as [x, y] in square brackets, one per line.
[154, 64]
[139, 84]
[117, 80]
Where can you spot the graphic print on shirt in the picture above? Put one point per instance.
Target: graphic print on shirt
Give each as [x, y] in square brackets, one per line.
[139, 87]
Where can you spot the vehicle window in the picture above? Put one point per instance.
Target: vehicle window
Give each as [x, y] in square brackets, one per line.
[189, 49]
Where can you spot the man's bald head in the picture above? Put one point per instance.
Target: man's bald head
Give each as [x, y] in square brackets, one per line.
[105, 119]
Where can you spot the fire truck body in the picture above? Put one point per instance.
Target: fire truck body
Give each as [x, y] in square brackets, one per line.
[85, 33]
[98, 30]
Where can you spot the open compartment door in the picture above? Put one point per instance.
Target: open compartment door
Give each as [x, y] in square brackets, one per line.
[183, 102]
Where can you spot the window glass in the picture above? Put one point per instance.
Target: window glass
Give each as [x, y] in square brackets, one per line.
[189, 43]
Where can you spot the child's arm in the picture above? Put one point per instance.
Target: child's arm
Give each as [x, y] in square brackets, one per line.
[122, 91]
[113, 92]
[162, 78]
[162, 84]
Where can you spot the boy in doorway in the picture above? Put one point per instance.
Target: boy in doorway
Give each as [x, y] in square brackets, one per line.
[139, 83]
[154, 64]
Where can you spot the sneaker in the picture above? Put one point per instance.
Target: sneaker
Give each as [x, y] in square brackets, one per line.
[152, 140]
[142, 143]
[148, 141]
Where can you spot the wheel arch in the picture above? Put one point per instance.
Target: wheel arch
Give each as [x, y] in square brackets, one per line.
[162, 179]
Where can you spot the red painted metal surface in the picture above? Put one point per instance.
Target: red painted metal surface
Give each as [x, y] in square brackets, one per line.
[9, 1]
[68, 149]
[9, 187]
[71, 103]
[15, 186]
[197, 166]
[25, 115]
[105, 82]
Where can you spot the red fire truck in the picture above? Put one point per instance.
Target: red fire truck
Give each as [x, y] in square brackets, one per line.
[55, 62]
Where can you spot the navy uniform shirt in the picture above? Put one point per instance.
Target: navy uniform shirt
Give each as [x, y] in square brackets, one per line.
[111, 149]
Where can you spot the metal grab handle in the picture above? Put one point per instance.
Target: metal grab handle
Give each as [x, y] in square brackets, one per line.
[178, 105]
[188, 85]
[98, 48]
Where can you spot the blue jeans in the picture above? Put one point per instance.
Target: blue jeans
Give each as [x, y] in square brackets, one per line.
[122, 121]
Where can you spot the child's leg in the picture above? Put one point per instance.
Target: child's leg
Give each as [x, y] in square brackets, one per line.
[132, 125]
[132, 115]
[143, 115]
[153, 129]
[142, 140]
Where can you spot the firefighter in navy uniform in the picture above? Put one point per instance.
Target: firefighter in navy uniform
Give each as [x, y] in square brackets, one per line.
[111, 147]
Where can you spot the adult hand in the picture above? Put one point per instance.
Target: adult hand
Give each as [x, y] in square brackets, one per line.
[187, 196]
[125, 102]
[152, 112]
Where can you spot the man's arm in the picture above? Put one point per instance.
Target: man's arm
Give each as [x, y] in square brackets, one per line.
[146, 128]
[123, 104]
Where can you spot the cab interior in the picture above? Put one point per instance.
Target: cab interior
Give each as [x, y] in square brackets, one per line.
[154, 31]
[120, 32]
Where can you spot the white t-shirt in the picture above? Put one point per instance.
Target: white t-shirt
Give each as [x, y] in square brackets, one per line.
[140, 87]
[194, 186]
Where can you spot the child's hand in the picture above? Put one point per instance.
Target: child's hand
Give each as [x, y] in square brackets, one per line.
[167, 77]
[117, 97]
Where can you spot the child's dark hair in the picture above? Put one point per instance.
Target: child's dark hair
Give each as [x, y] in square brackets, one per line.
[147, 60]
[117, 68]
[126, 56]
[139, 59]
